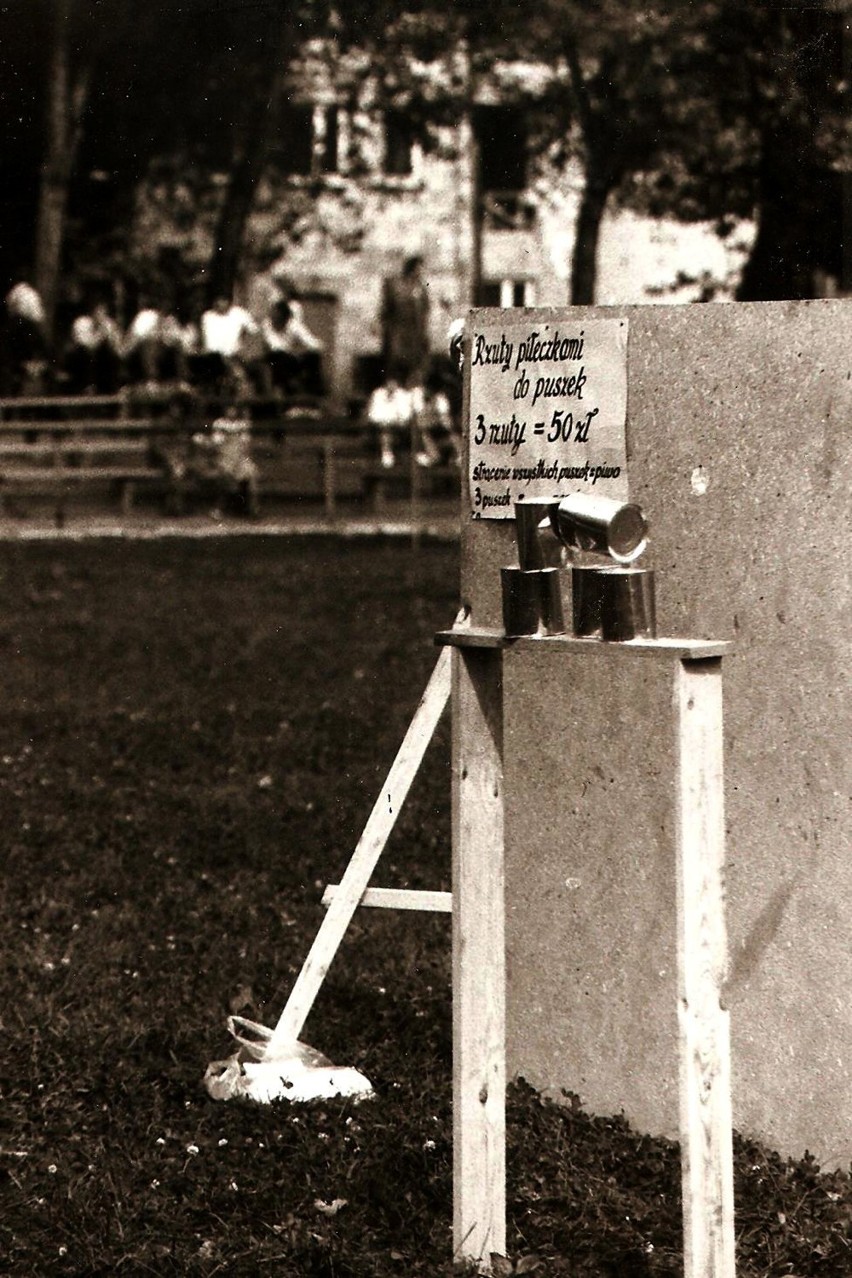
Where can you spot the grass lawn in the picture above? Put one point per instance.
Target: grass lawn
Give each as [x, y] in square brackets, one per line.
[192, 737]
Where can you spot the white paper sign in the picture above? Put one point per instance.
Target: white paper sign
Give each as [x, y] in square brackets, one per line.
[548, 406]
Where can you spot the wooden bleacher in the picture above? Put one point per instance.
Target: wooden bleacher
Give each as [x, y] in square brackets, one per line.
[111, 448]
[58, 444]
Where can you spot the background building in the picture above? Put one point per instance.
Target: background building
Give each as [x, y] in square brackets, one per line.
[351, 190]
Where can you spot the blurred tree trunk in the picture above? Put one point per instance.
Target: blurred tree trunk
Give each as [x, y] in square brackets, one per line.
[801, 105]
[476, 208]
[477, 214]
[584, 256]
[777, 266]
[601, 144]
[66, 102]
[252, 137]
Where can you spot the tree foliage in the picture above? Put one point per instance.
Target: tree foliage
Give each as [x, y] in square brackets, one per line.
[788, 99]
[710, 110]
[706, 109]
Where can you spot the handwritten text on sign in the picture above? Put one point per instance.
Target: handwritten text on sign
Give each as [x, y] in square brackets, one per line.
[548, 403]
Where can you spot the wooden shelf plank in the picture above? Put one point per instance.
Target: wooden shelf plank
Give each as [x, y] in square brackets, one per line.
[685, 649]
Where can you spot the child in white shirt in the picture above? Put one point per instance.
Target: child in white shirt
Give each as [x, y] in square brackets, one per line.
[390, 407]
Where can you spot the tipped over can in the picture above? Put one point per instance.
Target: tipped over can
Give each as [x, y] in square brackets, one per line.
[614, 528]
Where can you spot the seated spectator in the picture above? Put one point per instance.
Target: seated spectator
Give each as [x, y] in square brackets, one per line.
[293, 352]
[143, 345]
[170, 447]
[439, 435]
[224, 330]
[180, 341]
[94, 356]
[220, 464]
[26, 344]
[159, 346]
[390, 407]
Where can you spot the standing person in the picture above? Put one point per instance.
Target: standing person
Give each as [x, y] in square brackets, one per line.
[265, 287]
[169, 450]
[405, 326]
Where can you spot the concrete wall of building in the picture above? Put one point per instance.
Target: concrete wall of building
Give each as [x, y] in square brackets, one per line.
[738, 447]
[357, 227]
[360, 230]
[429, 214]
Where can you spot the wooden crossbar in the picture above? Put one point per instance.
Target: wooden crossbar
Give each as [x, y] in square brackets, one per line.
[79, 425]
[70, 448]
[398, 899]
[17, 403]
[57, 475]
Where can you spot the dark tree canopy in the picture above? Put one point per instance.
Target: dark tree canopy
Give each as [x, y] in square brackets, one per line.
[706, 109]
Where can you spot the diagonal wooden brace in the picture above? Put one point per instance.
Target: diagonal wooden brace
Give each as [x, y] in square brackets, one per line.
[364, 859]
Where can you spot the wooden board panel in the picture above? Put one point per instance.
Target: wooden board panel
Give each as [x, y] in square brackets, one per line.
[479, 964]
[705, 1082]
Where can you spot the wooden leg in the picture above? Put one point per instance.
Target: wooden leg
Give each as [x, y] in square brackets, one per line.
[479, 1065]
[705, 1088]
[414, 482]
[329, 477]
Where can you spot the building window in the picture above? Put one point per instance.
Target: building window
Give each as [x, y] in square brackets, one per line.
[507, 293]
[399, 140]
[308, 141]
[293, 149]
[327, 131]
[489, 293]
[501, 135]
